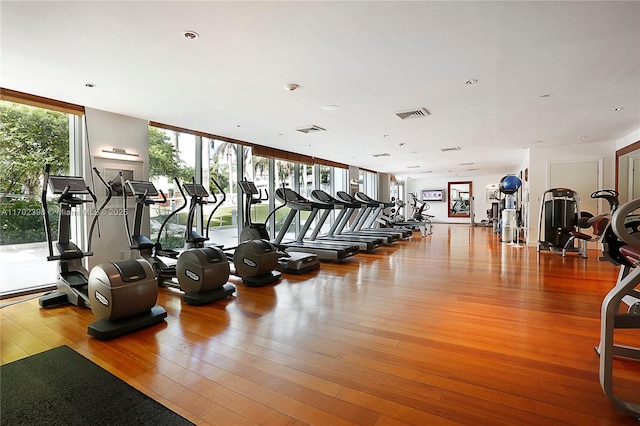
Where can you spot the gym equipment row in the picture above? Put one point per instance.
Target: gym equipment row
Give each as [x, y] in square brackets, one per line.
[122, 295]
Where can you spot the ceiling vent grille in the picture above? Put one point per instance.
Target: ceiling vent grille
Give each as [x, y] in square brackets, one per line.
[413, 113]
[311, 129]
[381, 155]
[457, 148]
[413, 167]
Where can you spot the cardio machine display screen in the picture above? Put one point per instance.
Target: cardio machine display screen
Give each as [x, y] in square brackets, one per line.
[248, 187]
[75, 184]
[195, 189]
[142, 187]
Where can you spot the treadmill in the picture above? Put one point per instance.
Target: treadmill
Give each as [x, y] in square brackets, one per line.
[365, 242]
[366, 210]
[325, 250]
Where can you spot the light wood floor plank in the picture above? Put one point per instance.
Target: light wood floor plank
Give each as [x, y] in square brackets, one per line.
[454, 329]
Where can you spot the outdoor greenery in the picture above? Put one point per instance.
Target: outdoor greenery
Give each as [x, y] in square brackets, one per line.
[164, 158]
[30, 138]
[22, 221]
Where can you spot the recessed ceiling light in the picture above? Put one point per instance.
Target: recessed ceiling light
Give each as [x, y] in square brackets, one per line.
[618, 109]
[190, 35]
[471, 81]
[291, 87]
[330, 107]
[490, 146]
[91, 85]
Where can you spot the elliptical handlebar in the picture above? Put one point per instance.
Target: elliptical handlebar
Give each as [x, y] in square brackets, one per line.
[218, 204]
[99, 209]
[166, 220]
[47, 223]
[125, 211]
[284, 198]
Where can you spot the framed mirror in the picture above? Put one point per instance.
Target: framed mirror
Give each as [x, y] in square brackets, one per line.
[459, 199]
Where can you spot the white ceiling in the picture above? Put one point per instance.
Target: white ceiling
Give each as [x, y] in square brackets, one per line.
[372, 59]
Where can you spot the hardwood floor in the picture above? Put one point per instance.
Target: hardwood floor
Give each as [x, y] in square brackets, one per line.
[456, 328]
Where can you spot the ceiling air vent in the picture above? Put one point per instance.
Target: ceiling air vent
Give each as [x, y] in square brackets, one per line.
[457, 148]
[381, 155]
[311, 129]
[413, 167]
[413, 113]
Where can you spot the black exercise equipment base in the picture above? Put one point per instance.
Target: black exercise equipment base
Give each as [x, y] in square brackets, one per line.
[261, 280]
[282, 266]
[53, 299]
[105, 330]
[209, 296]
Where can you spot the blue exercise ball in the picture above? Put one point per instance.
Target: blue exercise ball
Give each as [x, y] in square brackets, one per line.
[510, 184]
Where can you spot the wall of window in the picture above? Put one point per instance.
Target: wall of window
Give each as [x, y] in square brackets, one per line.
[369, 183]
[156, 152]
[30, 137]
[172, 155]
[228, 162]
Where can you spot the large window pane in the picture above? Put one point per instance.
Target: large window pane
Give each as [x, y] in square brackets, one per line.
[285, 176]
[30, 137]
[257, 171]
[171, 155]
[223, 168]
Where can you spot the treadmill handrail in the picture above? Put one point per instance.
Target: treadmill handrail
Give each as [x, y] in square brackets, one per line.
[318, 195]
[300, 203]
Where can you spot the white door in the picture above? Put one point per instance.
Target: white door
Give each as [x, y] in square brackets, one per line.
[582, 177]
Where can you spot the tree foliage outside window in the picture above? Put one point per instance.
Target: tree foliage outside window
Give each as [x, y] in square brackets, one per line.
[30, 138]
[164, 158]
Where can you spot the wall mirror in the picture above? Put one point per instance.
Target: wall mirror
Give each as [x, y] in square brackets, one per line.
[459, 198]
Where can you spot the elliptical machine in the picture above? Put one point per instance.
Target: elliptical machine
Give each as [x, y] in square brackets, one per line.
[255, 261]
[72, 280]
[202, 273]
[121, 295]
[289, 262]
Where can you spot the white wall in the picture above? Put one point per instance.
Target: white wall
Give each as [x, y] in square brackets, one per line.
[440, 209]
[541, 157]
[633, 137]
[105, 130]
